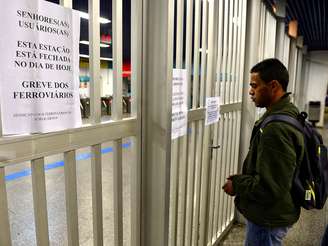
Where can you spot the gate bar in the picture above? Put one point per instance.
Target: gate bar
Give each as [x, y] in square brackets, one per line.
[71, 198]
[40, 202]
[5, 238]
[94, 60]
[97, 208]
[136, 89]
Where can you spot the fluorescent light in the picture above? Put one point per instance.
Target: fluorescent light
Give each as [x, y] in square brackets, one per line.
[86, 16]
[101, 58]
[200, 50]
[87, 43]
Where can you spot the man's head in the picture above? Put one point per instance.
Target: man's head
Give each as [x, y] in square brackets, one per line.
[269, 81]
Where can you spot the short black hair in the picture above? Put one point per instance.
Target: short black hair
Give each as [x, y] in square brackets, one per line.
[272, 69]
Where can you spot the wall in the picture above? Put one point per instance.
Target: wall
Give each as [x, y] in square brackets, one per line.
[316, 79]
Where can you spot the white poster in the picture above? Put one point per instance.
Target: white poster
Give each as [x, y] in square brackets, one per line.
[179, 103]
[39, 67]
[212, 110]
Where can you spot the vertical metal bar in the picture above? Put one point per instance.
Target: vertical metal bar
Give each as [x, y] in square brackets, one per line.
[158, 42]
[71, 198]
[135, 194]
[203, 53]
[174, 186]
[197, 185]
[179, 34]
[182, 191]
[261, 34]
[180, 147]
[94, 61]
[279, 51]
[174, 172]
[234, 146]
[287, 49]
[240, 54]
[173, 193]
[117, 58]
[222, 173]
[96, 178]
[299, 94]
[66, 3]
[117, 115]
[220, 50]
[214, 127]
[220, 85]
[118, 193]
[263, 30]
[196, 54]
[40, 202]
[235, 52]
[4, 218]
[224, 170]
[196, 127]
[238, 123]
[190, 185]
[243, 44]
[210, 32]
[176, 169]
[229, 163]
[136, 56]
[186, 205]
[212, 187]
[225, 53]
[218, 184]
[228, 81]
[235, 156]
[218, 127]
[136, 89]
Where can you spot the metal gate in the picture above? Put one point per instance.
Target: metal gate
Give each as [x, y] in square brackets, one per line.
[209, 43]
[35, 148]
[212, 52]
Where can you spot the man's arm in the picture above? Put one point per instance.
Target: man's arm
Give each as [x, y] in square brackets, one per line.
[275, 166]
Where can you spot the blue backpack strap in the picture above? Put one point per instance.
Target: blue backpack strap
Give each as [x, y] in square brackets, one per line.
[283, 118]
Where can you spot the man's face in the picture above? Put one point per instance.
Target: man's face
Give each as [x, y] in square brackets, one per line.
[260, 92]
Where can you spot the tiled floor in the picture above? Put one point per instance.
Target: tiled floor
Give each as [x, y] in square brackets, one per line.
[20, 203]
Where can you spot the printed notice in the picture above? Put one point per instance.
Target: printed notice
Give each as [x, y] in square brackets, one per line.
[39, 67]
[212, 110]
[179, 103]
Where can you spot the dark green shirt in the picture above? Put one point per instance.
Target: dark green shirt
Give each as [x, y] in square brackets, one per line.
[263, 189]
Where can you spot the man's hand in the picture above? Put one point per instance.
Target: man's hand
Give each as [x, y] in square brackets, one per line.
[228, 188]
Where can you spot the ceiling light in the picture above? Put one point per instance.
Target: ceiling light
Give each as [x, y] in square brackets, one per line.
[101, 58]
[87, 43]
[86, 16]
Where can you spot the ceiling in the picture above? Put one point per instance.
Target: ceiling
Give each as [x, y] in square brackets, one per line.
[312, 18]
[105, 29]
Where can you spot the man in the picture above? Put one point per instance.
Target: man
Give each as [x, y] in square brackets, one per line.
[263, 190]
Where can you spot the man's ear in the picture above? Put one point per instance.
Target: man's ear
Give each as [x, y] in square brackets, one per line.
[275, 85]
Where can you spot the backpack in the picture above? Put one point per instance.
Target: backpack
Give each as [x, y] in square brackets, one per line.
[310, 181]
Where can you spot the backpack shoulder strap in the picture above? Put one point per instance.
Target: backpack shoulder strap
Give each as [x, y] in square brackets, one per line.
[283, 118]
